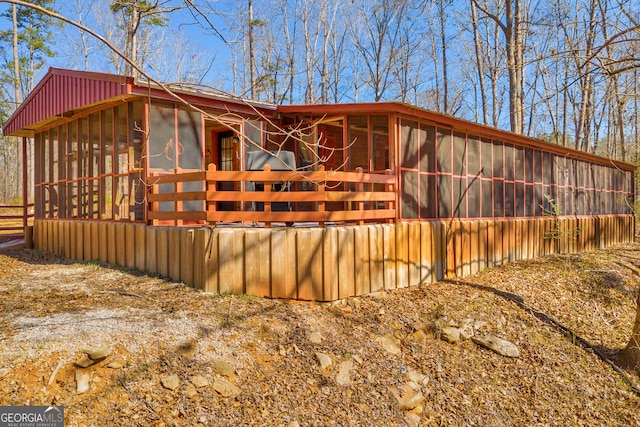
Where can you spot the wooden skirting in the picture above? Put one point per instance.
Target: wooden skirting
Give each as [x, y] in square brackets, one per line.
[325, 264]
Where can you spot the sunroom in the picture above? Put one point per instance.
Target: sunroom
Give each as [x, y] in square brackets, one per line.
[315, 202]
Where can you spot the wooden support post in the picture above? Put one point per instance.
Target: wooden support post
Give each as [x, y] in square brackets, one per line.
[439, 250]
[141, 247]
[66, 239]
[86, 233]
[162, 251]
[498, 253]
[518, 240]
[151, 249]
[321, 192]
[482, 245]
[414, 260]
[376, 259]
[283, 270]
[199, 258]
[102, 238]
[360, 190]
[389, 256]
[211, 188]
[426, 252]
[309, 260]
[346, 260]
[174, 253]
[474, 249]
[121, 244]
[257, 245]
[95, 241]
[231, 258]
[453, 251]
[267, 201]
[330, 264]
[361, 252]
[465, 248]
[186, 256]
[112, 248]
[130, 245]
[402, 254]
[211, 261]
[25, 194]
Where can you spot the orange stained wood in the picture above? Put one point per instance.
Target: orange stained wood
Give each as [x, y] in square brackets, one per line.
[359, 206]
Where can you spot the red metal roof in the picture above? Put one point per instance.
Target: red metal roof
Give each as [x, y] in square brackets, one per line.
[61, 91]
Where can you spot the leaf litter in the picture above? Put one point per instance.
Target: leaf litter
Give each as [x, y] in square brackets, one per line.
[241, 360]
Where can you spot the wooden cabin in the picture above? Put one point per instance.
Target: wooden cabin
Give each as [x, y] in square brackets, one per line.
[315, 202]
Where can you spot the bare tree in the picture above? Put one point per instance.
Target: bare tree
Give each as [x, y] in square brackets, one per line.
[134, 15]
[512, 27]
[376, 36]
[479, 62]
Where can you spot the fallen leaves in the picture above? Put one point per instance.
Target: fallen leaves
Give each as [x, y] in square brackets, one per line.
[177, 356]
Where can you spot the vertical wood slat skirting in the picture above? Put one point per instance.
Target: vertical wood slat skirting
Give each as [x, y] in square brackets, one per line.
[325, 264]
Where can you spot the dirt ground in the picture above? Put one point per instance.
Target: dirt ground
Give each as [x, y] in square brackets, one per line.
[181, 357]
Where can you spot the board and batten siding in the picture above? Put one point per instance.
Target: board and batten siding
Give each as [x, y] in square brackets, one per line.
[325, 264]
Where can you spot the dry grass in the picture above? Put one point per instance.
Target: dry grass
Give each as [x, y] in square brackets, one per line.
[52, 309]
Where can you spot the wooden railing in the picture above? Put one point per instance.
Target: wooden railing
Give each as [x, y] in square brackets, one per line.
[15, 218]
[285, 197]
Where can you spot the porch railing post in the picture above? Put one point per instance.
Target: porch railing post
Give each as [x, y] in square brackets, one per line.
[359, 191]
[25, 187]
[267, 202]
[211, 187]
[321, 190]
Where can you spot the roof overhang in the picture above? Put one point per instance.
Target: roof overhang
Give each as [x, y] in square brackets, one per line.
[62, 94]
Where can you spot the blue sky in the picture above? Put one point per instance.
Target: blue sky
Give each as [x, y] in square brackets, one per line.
[182, 24]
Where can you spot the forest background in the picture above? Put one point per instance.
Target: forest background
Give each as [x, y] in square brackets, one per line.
[565, 71]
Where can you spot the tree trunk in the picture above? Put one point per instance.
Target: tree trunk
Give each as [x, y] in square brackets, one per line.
[513, 35]
[443, 46]
[16, 56]
[252, 59]
[513, 31]
[479, 64]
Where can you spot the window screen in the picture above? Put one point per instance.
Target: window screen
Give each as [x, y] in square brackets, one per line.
[474, 196]
[529, 206]
[444, 150]
[498, 160]
[519, 163]
[162, 137]
[487, 199]
[508, 199]
[427, 148]
[508, 162]
[537, 166]
[487, 163]
[409, 194]
[459, 154]
[460, 197]
[359, 145]
[473, 156]
[498, 198]
[444, 196]
[528, 165]
[409, 145]
[520, 201]
[547, 168]
[427, 196]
